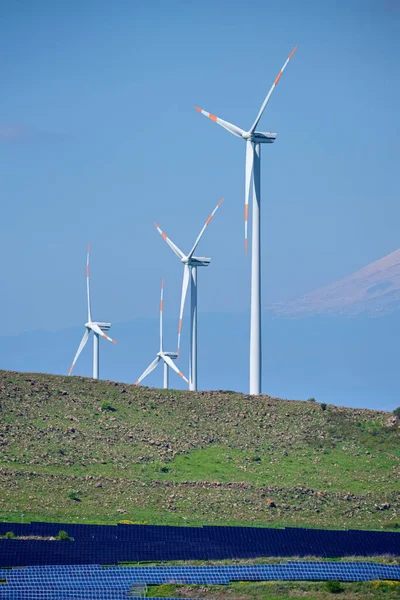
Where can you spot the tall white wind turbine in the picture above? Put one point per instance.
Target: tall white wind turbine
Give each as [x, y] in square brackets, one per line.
[253, 140]
[190, 264]
[166, 357]
[97, 327]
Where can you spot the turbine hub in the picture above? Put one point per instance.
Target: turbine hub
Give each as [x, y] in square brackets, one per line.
[246, 135]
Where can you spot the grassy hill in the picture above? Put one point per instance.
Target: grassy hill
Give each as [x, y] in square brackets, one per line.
[75, 449]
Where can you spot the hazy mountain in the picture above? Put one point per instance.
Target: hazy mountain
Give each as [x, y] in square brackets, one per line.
[374, 290]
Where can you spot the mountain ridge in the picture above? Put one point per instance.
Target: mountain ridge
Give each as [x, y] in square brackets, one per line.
[373, 290]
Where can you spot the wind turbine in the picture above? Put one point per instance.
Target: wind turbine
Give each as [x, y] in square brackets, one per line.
[190, 263]
[97, 327]
[167, 357]
[253, 140]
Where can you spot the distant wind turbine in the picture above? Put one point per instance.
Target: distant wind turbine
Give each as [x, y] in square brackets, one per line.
[190, 263]
[167, 357]
[97, 327]
[253, 140]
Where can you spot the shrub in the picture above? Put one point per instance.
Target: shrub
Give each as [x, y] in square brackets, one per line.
[74, 496]
[63, 536]
[323, 406]
[311, 400]
[334, 587]
[391, 525]
[126, 522]
[166, 589]
[396, 412]
[10, 535]
[107, 406]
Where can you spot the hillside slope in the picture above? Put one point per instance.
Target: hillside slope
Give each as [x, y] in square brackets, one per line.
[98, 451]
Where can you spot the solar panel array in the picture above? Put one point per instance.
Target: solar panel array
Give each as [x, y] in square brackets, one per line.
[93, 581]
[108, 544]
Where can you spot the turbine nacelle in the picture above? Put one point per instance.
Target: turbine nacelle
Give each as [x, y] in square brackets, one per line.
[196, 261]
[173, 355]
[259, 137]
[103, 326]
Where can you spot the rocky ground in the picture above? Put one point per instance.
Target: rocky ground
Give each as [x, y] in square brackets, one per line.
[75, 449]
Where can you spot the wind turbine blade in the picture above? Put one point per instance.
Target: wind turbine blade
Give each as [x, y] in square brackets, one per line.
[170, 243]
[88, 284]
[161, 315]
[249, 171]
[149, 369]
[185, 283]
[173, 366]
[101, 333]
[225, 124]
[204, 228]
[268, 96]
[81, 347]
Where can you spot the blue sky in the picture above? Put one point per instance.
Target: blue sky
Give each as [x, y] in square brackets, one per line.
[99, 138]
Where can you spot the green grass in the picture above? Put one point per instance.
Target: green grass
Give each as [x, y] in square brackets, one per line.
[280, 590]
[174, 457]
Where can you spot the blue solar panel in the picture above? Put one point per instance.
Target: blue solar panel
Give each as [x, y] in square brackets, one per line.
[87, 581]
[117, 543]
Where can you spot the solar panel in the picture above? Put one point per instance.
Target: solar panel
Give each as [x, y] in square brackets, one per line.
[118, 543]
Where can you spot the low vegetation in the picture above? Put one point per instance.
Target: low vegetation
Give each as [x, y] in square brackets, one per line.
[10, 535]
[79, 450]
[266, 560]
[63, 536]
[282, 590]
[334, 587]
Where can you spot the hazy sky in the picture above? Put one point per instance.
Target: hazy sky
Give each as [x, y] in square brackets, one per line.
[99, 138]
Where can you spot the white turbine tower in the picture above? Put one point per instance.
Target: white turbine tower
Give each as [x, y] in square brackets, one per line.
[253, 141]
[167, 357]
[190, 263]
[97, 327]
